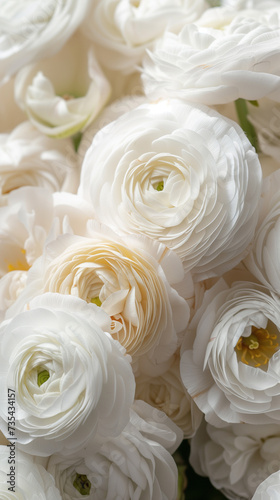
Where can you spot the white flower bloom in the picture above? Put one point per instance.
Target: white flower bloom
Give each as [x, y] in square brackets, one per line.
[136, 465]
[183, 175]
[32, 481]
[237, 458]
[123, 29]
[31, 30]
[263, 260]
[167, 393]
[72, 381]
[130, 279]
[251, 4]
[28, 158]
[229, 56]
[266, 119]
[269, 489]
[56, 102]
[232, 369]
[33, 215]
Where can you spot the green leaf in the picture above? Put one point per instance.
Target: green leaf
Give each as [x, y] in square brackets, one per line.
[246, 125]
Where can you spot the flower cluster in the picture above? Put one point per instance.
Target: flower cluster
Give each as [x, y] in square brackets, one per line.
[139, 233]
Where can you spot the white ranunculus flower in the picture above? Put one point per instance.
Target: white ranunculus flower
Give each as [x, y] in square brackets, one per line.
[31, 30]
[123, 29]
[251, 4]
[131, 279]
[167, 393]
[33, 215]
[225, 56]
[231, 369]
[72, 381]
[266, 119]
[237, 458]
[136, 465]
[56, 102]
[180, 174]
[263, 260]
[28, 158]
[31, 481]
[269, 489]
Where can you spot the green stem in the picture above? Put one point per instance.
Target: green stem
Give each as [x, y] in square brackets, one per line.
[242, 113]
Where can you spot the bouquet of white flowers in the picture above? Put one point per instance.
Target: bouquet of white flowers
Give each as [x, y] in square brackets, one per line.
[140, 255]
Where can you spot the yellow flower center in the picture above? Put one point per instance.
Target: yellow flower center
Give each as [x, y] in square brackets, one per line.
[43, 377]
[82, 484]
[257, 349]
[19, 265]
[96, 301]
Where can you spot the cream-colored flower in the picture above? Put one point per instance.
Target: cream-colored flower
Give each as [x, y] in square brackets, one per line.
[32, 216]
[226, 55]
[230, 356]
[251, 4]
[136, 465]
[269, 489]
[72, 381]
[263, 260]
[23, 479]
[130, 279]
[167, 393]
[31, 30]
[28, 158]
[236, 458]
[123, 29]
[180, 174]
[57, 102]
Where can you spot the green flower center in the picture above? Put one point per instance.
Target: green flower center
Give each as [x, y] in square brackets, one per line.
[96, 300]
[82, 484]
[43, 377]
[159, 186]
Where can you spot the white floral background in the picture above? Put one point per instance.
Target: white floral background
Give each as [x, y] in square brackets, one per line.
[139, 249]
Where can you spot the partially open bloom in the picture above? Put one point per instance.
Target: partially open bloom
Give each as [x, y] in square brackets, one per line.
[22, 478]
[70, 378]
[232, 368]
[57, 102]
[236, 458]
[180, 174]
[34, 30]
[263, 259]
[131, 279]
[137, 464]
[124, 29]
[31, 217]
[223, 57]
[29, 158]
